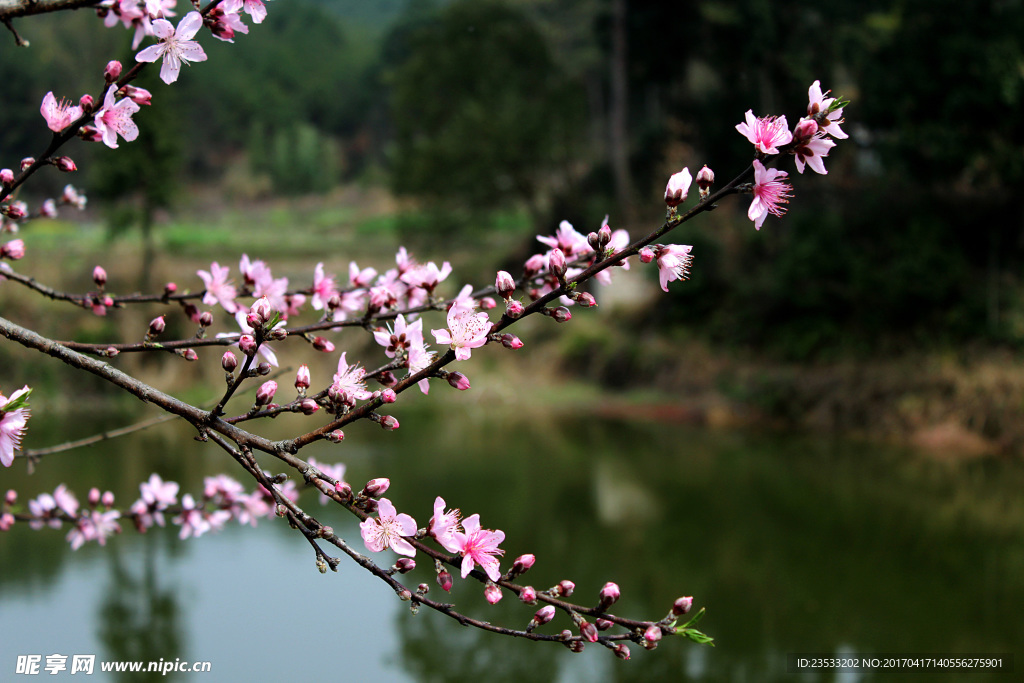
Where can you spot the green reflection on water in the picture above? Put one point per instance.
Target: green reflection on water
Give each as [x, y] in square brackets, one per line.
[793, 544]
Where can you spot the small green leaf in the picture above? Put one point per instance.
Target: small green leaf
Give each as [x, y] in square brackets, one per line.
[15, 404]
[695, 618]
[698, 637]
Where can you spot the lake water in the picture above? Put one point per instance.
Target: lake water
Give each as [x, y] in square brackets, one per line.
[792, 543]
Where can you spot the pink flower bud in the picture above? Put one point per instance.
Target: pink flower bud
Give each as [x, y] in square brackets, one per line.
[190, 355]
[646, 255]
[11, 497]
[514, 308]
[444, 580]
[458, 380]
[99, 276]
[89, 134]
[544, 614]
[247, 344]
[492, 593]
[594, 241]
[678, 187]
[87, 103]
[388, 395]
[586, 299]
[604, 235]
[588, 631]
[337, 436]
[566, 588]
[528, 595]
[156, 326]
[228, 361]
[266, 392]
[321, 344]
[261, 312]
[609, 594]
[511, 341]
[112, 72]
[65, 164]
[308, 406]
[556, 263]
[13, 250]
[94, 496]
[534, 265]
[561, 314]
[6, 176]
[375, 488]
[487, 303]
[191, 312]
[170, 288]
[404, 565]
[681, 606]
[110, 352]
[263, 368]
[302, 378]
[603, 624]
[139, 96]
[805, 130]
[575, 646]
[387, 378]
[651, 636]
[48, 209]
[504, 284]
[389, 423]
[26, 162]
[277, 334]
[522, 563]
[107, 499]
[621, 651]
[342, 488]
[6, 521]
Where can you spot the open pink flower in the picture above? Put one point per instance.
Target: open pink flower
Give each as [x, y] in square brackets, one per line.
[770, 193]
[464, 332]
[115, 118]
[254, 8]
[443, 525]
[349, 380]
[58, 115]
[673, 263]
[218, 288]
[402, 337]
[766, 133]
[323, 287]
[14, 414]
[388, 529]
[478, 547]
[175, 46]
[829, 122]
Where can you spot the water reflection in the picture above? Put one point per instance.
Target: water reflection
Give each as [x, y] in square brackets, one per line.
[793, 544]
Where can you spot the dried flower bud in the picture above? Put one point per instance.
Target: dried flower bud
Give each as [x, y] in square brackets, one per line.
[681, 606]
[321, 344]
[504, 284]
[492, 593]
[99, 276]
[228, 361]
[528, 595]
[112, 72]
[302, 378]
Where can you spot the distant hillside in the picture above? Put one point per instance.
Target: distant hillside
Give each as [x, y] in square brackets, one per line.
[376, 14]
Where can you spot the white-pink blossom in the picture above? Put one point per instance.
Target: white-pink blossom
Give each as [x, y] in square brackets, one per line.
[828, 122]
[478, 547]
[218, 288]
[175, 46]
[58, 115]
[115, 118]
[766, 133]
[14, 414]
[349, 380]
[465, 332]
[388, 529]
[770, 193]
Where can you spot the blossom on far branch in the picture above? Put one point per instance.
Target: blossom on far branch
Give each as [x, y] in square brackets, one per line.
[175, 46]
[219, 289]
[254, 8]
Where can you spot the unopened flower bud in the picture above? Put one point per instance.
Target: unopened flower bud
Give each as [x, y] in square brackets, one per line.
[566, 587]
[522, 563]
[263, 369]
[528, 595]
[651, 636]
[561, 314]
[405, 595]
[6, 176]
[14, 210]
[302, 378]
[139, 96]
[262, 311]
[805, 130]
[26, 162]
[586, 299]
[13, 250]
[504, 284]
[87, 103]
[321, 344]
[107, 499]
[609, 594]
[492, 593]
[681, 606]
[389, 423]
[534, 265]
[156, 326]
[594, 241]
[603, 624]
[575, 646]
[191, 312]
[11, 497]
[545, 614]
[375, 488]
[205, 319]
[588, 631]
[94, 496]
[89, 134]
[65, 164]
[388, 395]
[556, 263]
[677, 188]
[458, 380]
[444, 580]
[228, 361]
[170, 288]
[621, 651]
[404, 565]
[247, 344]
[342, 488]
[99, 276]
[646, 255]
[112, 72]
[266, 392]
[336, 436]
[511, 341]
[487, 303]
[190, 355]
[514, 308]
[604, 235]
[308, 406]
[110, 352]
